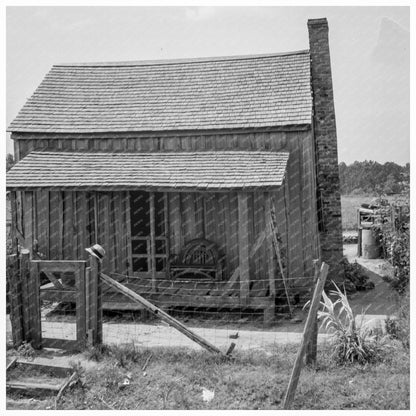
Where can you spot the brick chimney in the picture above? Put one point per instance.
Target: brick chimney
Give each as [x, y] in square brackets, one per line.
[326, 155]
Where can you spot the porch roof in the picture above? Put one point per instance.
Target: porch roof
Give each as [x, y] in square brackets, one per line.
[209, 171]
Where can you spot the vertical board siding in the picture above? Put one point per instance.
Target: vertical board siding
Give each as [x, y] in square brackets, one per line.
[210, 215]
[43, 223]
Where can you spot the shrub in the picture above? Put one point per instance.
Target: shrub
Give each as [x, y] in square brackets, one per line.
[351, 343]
[354, 273]
[399, 328]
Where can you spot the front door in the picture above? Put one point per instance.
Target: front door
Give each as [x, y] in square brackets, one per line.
[148, 218]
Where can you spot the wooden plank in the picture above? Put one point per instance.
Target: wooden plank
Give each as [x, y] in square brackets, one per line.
[30, 387]
[152, 239]
[25, 277]
[199, 215]
[311, 349]
[229, 286]
[34, 306]
[243, 247]
[129, 264]
[28, 219]
[53, 279]
[60, 240]
[276, 245]
[313, 310]
[15, 299]
[58, 265]
[65, 344]
[53, 225]
[271, 265]
[68, 226]
[119, 249]
[43, 223]
[160, 314]
[175, 222]
[94, 302]
[81, 305]
[188, 217]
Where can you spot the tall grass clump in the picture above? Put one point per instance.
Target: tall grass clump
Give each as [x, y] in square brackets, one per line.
[351, 343]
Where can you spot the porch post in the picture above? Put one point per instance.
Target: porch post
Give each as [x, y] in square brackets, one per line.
[243, 247]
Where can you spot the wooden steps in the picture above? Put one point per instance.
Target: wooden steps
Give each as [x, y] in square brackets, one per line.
[36, 379]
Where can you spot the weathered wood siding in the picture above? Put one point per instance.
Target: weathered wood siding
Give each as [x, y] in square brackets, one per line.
[191, 215]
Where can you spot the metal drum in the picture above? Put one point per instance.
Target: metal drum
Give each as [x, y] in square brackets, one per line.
[370, 245]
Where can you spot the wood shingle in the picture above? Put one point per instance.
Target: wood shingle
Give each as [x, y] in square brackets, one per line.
[199, 94]
[217, 170]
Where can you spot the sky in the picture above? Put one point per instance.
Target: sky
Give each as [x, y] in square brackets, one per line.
[369, 49]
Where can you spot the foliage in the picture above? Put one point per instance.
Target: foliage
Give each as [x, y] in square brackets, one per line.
[26, 350]
[98, 352]
[395, 243]
[351, 343]
[399, 327]
[370, 177]
[9, 161]
[355, 274]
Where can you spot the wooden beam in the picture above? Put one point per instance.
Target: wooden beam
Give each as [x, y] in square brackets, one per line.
[312, 345]
[231, 281]
[25, 277]
[81, 317]
[15, 299]
[34, 306]
[313, 310]
[28, 218]
[152, 239]
[270, 253]
[159, 313]
[243, 247]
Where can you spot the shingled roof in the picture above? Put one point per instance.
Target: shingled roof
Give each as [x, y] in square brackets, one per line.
[190, 170]
[198, 94]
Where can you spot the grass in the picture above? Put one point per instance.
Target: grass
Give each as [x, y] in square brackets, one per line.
[174, 379]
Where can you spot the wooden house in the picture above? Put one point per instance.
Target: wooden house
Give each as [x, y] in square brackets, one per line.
[177, 169]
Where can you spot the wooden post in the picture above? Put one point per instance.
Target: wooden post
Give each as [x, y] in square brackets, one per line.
[81, 305]
[35, 330]
[94, 303]
[313, 309]
[152, 239]
[311, 349]
[159, 313]
[243, 249]
[24, 278]
[15, 299]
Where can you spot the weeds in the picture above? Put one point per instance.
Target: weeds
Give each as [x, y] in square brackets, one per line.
[351, 343]
[26, 351]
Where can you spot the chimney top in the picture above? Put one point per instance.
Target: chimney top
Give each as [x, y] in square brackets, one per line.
[321, 22]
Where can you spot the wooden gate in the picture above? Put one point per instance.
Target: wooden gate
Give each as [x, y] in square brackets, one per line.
[75, 293]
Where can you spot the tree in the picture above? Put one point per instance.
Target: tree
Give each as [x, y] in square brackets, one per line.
[9, 161]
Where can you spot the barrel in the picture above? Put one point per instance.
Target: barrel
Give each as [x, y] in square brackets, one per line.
[370, 245]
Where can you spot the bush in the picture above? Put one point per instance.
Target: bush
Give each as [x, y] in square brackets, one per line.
[399, 327]
[353, 272]
[395, 243]
[396, 249]
[351, 344]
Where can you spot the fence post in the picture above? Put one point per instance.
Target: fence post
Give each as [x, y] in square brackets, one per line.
[24, 278]
[313, 309]
[94, 302]
[311, 349]
[15, 299]
[34, 306]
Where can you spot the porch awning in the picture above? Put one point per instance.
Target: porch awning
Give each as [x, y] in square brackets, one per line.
[209, 171]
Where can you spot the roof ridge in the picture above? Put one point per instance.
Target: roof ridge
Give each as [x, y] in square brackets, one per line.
[181, 60]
